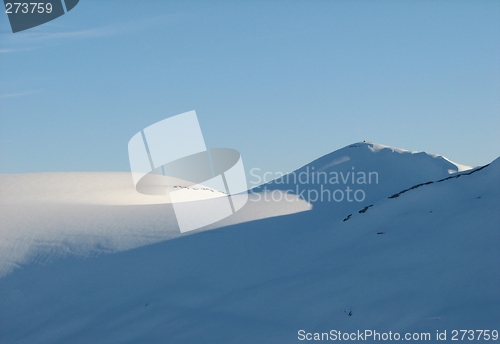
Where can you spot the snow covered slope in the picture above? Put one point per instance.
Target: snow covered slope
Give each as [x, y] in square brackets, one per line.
[48, 215]
[45, 216]
[432, 267]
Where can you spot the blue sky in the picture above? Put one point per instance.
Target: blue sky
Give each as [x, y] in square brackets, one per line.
[283, 82]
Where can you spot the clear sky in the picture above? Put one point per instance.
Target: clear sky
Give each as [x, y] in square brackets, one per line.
[283, 82]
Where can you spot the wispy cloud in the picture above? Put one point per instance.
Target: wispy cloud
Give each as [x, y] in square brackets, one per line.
[53, 33]
[46, 36]
[41, 36]
[14, 50]
[18, 94]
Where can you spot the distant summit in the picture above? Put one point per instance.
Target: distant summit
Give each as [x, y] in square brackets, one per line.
[359, 175]
[395, 167]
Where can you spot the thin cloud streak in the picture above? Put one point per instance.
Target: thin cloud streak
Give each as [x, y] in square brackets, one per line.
[13, 50]
[18, 94]
[87, 33]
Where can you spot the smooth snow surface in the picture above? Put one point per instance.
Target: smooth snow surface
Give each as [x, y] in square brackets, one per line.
[257, 277]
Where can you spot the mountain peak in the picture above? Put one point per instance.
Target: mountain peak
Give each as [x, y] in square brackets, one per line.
[372, 147]
[376, 170]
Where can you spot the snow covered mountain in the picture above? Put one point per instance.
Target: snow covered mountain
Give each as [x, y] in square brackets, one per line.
[418, 261]
[359, 175]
